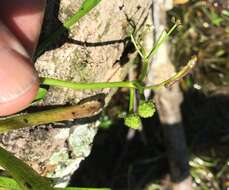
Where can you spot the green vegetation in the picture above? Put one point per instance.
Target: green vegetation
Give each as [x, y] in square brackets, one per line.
[204, 31]
[133, 121]
[146, 109]
[29, 120]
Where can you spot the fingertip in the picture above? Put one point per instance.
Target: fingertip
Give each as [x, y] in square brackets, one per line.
[19, 103]
[18, 82]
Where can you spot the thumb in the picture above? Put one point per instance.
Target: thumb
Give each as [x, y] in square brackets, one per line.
[18, 79]
[18, 38]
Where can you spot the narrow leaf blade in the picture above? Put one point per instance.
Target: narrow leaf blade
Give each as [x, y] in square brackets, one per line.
[25, 176]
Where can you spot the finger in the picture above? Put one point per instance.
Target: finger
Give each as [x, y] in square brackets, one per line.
[24, 20]
[18, 79]
[18, 38]
[18, 82]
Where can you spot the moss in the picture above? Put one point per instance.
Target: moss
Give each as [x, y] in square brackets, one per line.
[80, 65]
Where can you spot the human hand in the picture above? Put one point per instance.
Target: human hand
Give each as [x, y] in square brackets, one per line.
[20, 24]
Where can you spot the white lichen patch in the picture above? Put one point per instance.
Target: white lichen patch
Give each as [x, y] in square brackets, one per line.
[63, 134]
[65, 161]
[63, 166]
[80, 141]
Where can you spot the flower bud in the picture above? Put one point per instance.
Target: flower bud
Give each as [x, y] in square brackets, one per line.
[133, 121]
[146, 109]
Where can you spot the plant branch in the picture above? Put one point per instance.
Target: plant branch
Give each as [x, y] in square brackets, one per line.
[131, 103]
[125, 84]
[84, 86]
[146, 58]
[144, 69]
[136, 45]
[178, 76]
[162, 38]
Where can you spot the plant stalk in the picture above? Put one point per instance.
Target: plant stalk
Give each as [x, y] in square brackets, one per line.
[86, 86]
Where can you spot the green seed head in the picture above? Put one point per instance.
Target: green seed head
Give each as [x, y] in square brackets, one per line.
[133, 121]
[146, 109]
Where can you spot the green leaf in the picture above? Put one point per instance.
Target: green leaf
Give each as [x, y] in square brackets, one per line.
[10, 184]
[83, 110]
[25, 176]
[41, 94]
[84, 9]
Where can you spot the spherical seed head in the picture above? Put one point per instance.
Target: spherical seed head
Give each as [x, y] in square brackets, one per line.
[146, 109]
[133, 121]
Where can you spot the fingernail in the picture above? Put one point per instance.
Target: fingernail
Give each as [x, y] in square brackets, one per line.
[18, 82]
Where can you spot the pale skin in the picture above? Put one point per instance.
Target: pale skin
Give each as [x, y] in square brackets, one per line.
[20, 25]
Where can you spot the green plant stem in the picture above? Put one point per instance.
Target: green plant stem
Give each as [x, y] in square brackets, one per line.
[162, 38]
[146, 58]
[137, 47]
[131, 103]
[66, 113]
[100, 85]
[176, 77]
[84, 86]
[144, 69]
[125, 84]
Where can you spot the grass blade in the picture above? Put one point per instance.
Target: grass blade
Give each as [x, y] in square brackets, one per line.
[25, 176]
[86, 7]
[7, 183]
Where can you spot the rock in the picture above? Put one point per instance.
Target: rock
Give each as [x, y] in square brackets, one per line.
[92, 53]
